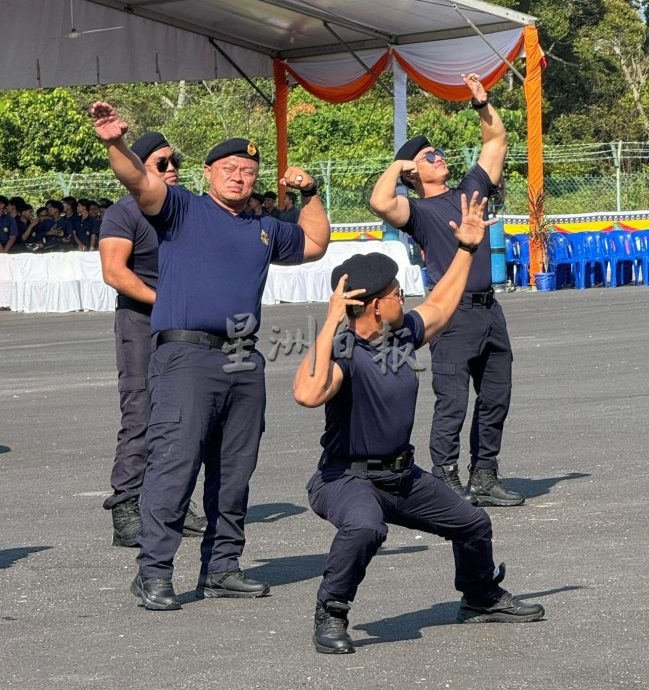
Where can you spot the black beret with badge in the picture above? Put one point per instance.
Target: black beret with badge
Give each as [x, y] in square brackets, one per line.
[147, 144]
[408, 152]
[373, 271]
[242, 148]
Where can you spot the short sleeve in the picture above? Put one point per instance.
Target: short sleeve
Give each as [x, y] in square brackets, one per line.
[412, 226]
[118, 222]
[288, 241]
[173, 211]
[415, 324]
[476, 180]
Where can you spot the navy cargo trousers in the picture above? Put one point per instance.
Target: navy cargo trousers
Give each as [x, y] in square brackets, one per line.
[473, 346]
[133, 351]
[200, 415]
[361, 505]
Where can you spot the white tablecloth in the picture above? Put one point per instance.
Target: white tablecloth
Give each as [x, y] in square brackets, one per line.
[72, 281]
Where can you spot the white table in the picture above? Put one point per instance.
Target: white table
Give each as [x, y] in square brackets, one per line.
[72, 281]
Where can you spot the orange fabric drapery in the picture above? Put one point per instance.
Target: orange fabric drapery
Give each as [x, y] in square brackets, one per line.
[534, 138]
[344, 92]
[451, 92]
[280, 109]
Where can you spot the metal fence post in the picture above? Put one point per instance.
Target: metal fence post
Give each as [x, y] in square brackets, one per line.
[326, 176]
[616, 150]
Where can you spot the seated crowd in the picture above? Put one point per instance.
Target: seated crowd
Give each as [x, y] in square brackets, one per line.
[57, 226]
[73, 224]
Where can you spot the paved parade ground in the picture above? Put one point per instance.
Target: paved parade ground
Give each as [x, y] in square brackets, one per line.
[575, 444]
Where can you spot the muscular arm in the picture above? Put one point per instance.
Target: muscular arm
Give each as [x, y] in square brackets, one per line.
[114, 253]
[393, 208]
[315, 389]
[315, 225]
[494, 143]
[149, 191]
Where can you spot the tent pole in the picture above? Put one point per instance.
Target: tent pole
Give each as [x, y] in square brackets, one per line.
[493, 48]
[280, 108]
[533, 69]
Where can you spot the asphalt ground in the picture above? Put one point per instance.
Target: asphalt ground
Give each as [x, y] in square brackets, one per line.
[575, 444]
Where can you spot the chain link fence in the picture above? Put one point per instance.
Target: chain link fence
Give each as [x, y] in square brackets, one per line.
[580, 178]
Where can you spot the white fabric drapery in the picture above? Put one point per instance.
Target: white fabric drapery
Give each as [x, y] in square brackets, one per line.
[72, 281]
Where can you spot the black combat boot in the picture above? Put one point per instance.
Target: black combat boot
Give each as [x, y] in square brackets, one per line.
[126, 522]
[485, 486]
[497, 606]
[451, 476]
[156, 593]
[330, 628]
[195, 524]
[233, 584]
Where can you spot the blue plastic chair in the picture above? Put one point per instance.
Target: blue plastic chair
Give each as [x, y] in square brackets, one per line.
[561, 256]
[596, 253]
[522, 248]
[641, 249]
[622, 257]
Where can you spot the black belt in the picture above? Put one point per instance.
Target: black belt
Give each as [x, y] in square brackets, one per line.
[124, 302]
[207, 340]
[395, 463]
[481, 298]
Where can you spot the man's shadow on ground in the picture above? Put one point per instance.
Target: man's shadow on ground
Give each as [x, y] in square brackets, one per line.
[9, 556]
[408, 626]
[4, 449]
[271, 512]
[531, 488]
[291, 569]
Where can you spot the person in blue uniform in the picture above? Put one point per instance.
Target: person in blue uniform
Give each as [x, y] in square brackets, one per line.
[128, 248]
[290, 212]
[367, 478]
[8, 228]
[56, 230]
[475, 346]
[206, 377]
[86, 230]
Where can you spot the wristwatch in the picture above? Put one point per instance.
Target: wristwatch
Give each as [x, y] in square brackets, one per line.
[476, 105]
[310, 192]
[471, 248]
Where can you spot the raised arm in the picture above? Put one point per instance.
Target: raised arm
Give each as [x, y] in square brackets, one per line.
[148, 190]
[494, 136]
[314, 388]
[313, 218]
[393, 208]
[438, 307]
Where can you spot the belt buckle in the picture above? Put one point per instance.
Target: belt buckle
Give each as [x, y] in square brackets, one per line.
[399, 463]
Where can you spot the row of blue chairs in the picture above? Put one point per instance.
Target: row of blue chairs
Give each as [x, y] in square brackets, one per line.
[584, 259]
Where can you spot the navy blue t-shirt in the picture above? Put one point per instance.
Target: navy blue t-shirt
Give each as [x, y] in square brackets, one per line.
[61, 224]
[8, 228]
[428, 225]
[125, 220]
[372, 414]
[87, 228]
[214, 265]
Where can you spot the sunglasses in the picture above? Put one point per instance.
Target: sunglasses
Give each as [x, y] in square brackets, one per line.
[430, 156]
[400, 296]
[162, 164]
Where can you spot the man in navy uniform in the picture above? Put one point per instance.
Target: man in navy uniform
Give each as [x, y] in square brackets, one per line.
[367, 379]
[206, 376]
[128, 247]
[87, 228]
[475, 345]
[8, 227]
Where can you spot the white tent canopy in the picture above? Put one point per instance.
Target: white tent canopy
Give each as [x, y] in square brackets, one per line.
[167, 40]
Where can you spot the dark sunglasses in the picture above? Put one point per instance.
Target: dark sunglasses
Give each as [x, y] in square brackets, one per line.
[431, 155]
[162, 164]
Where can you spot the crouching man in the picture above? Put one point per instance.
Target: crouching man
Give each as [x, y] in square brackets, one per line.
[367, 478]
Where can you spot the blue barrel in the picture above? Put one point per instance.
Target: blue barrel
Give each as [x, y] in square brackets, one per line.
[497, 238]
[390, 233]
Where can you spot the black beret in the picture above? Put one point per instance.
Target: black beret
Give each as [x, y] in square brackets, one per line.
[243, 148]
[409, 150]
[374, 272]
[147, 144]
